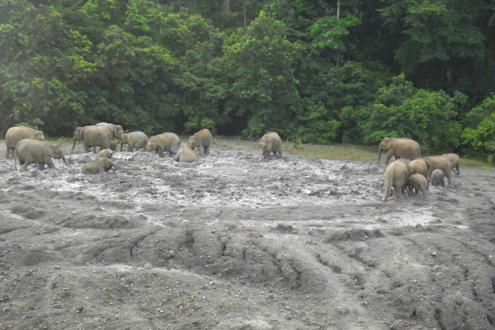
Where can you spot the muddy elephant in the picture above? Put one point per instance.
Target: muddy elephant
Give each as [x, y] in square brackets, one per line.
[270, 143]
[105, 153]
[454, 162]
[134, 139]
[117, 130]
[201, 140]
[168, 142]
[31, 151]
[400, 148]
[418, 166]
[186, 154]
[441, 163]
[417, 183]
[396, 175]
[93, 136]
[98, 166]
[437, 178]
[17, 133]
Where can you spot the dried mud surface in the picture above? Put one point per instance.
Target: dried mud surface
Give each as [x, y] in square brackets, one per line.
[234, 242]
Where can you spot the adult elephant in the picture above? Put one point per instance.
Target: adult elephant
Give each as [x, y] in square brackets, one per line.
[17, 133]
[117, 130]
[400, 148]
[93, 136]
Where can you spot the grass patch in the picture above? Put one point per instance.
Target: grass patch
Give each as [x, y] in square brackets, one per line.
[336, 151]
[60, 139]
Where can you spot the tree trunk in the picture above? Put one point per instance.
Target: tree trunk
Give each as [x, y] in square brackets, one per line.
[226, 7]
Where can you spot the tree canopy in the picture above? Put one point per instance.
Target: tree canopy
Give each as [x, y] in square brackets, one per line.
[315, 71]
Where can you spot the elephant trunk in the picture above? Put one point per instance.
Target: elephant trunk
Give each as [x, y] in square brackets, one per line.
[379, 153]
[64, 160]
[74, 144]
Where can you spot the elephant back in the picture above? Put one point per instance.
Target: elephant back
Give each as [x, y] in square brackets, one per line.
[17, 133]
[97, 135]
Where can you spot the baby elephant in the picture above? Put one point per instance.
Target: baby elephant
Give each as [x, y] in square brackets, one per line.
[202, 141]
[417, 182]
[98, 166]
[271, 143]
[186, 154]
[136, 139]
[437, 178]
[105, 153]
[31, 151]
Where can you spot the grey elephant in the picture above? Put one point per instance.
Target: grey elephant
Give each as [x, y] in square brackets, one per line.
[186, 154]
[31, 151]
[17, 133]
[98, 166]
[399, 148]
[454, 162]
[271, 143]
[136, 139]
[441, 163]
[168, 142]
[117, 130]
[201, 140]
[105, 153]
[396, 175]
[93, 136]
[417, 183]
[437, 178]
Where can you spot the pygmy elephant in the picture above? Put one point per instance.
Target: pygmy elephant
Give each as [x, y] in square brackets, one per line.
[29, 151]
[271, 143]
[439, 162]
[437, 178]
[105, 153]
[93, 136]
[135, 139]
[417, 182]
[400, 148]
[168, 142]
[418, 166]
[186, 154]
[396, 175]
[98, 166]
[454, 162]
[17, 133]
[117, 130]
[202, 141]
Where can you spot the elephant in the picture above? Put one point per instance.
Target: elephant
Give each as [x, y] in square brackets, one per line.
[29, 151]
[417, 182]
[418, 166]
[135, 139]
[186, 154]
[93, 136]
[17, 133]
[437, 178]
[105, 153]
[441, 163]
[202, 141]
[117, 130]
[98, 166]
[454, 162]
[400, 148]
[395, 176]
[271, 143]
[168, 142]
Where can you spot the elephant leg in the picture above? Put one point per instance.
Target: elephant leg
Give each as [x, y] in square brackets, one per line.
[86, 147]
[7, 152]
[50, 163]
[457, 169]
[397, 192]
[25, 165]
[121, 146]
[448, 176]
[201, 151]
[388, 156]
[160, 151]
[130, 148]
[206, 150]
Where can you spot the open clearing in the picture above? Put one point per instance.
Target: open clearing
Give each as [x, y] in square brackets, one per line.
[234, 242]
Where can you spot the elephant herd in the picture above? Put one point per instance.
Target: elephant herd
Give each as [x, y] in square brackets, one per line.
[28, 145]
[410, 173]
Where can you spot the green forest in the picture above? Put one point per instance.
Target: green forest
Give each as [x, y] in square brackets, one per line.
[351, 71]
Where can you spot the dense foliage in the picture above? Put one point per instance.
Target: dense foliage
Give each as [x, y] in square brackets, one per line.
[315, 71]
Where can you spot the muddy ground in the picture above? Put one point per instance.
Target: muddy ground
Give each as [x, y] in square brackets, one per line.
[234, 242]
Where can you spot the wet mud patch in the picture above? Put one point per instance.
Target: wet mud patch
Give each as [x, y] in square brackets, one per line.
[234, 241]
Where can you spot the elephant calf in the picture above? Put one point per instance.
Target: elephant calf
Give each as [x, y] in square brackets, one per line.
[98, 166]
[441, 163]
[202, 141]
[105, 153]
[31, 151]
[437, 178]
[17, 133]
[416, 183]
[271, 143]
[396, 175]
[135, 139]
[186, 154]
